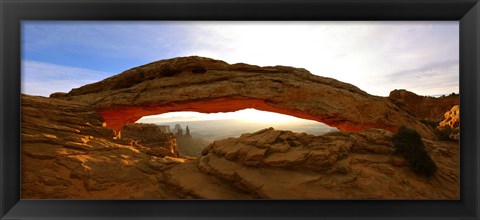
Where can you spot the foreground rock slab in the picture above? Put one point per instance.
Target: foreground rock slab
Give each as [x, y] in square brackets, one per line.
[272, 164]
[68, 153]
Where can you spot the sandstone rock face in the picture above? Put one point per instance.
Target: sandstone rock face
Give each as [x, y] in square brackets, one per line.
[152, 137]
[424, 107]
[452, 117]
[67, 152]
[452, 121]
[209, 86]
[274, 164]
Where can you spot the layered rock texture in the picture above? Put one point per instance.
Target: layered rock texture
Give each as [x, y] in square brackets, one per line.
[69, 149]
[68, 153]
[209, 86]
[424, 107]
[452, 117]
[282, 164]
[451, 123]
[151, 137]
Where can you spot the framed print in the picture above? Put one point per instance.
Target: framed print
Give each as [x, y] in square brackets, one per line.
[239, 109]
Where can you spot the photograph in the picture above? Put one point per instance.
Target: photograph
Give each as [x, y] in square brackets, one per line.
[240, 110]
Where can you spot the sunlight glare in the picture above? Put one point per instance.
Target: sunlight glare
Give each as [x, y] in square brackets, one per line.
[246, 115]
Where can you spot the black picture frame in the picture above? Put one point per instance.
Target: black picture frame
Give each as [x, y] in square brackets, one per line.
[12, 12]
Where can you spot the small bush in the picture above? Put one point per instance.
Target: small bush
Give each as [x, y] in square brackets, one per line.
[409, 143]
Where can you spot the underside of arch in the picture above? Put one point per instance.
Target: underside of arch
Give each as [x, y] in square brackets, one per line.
[117, 117]
[178, 85]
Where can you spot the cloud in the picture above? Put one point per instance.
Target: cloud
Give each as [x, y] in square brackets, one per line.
[355, 52]
[360, 53]
[42, 79]
[111, 46]
[431, 79]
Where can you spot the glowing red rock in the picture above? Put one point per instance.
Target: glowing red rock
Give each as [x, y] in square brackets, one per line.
[115, 118]
[206, 85]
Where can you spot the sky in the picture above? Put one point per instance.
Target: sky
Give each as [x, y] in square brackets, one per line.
[246, 115]
[377, 57]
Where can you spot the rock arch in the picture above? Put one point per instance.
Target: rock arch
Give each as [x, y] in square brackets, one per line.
[208, 86]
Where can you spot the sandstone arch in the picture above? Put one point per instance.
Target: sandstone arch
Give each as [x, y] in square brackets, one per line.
[207, 85]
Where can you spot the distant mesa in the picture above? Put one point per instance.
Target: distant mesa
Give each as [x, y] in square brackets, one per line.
[187, 133]
[188, 145]
[165, 128]
[424, 107]
[178, 131]
[209, 86]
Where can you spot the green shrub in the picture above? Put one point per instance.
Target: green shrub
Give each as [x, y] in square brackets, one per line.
[409, 143]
